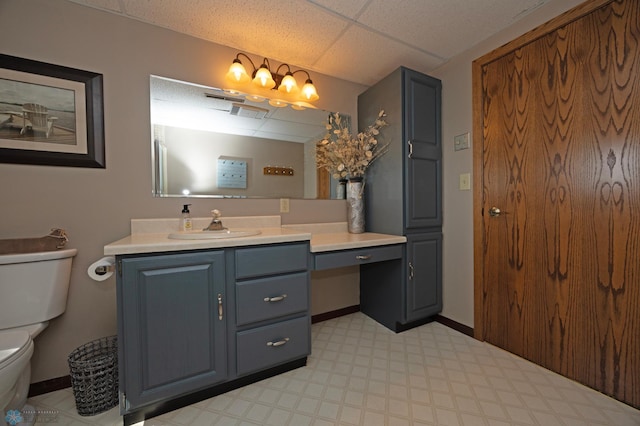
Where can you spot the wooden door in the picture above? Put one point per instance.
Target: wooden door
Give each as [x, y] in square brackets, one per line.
[557, 131]
[323, 184]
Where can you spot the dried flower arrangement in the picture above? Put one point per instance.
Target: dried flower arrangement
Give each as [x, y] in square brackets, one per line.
[346, 156]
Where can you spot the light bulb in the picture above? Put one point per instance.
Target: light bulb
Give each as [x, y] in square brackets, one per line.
[288, 84]
[309, 92]
[237, 73]
[263, 78]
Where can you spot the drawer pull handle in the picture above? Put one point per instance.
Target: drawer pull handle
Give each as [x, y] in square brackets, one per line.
[278, 343]
[275, 299]
[220, 312]
[363, 257]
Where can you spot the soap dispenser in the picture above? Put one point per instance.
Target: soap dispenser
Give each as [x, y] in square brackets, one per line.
[185, 221]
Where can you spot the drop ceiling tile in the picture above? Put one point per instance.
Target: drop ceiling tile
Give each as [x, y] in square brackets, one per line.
[111, 5]
[369, 57]
[371, 36]
[350, 9]
[443, 28]
[289, 31]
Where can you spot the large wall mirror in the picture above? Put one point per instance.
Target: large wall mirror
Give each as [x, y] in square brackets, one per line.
[208, 143]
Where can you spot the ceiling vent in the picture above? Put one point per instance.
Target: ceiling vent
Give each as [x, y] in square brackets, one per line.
[220, 102]
[248, 111]
[223, 98]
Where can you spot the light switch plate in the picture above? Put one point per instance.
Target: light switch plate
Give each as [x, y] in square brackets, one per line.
[465, 182]
[461, 142]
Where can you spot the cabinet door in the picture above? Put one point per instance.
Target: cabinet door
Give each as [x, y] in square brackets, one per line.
[423, 159]
[424, 275]
[174, 341]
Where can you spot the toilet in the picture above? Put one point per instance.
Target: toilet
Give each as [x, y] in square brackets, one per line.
[33, 290]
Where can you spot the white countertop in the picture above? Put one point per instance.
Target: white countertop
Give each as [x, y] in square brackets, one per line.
[160, 242]
[345, 240]
[334, 236]
[152, 235]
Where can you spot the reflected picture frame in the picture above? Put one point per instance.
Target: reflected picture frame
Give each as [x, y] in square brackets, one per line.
[50, 114]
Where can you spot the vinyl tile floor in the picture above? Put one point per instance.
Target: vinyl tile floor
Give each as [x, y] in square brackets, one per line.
[360, 373]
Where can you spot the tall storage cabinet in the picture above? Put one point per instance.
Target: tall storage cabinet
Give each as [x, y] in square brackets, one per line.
[404, 196]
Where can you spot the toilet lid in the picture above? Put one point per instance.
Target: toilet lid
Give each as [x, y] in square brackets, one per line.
[12, 344]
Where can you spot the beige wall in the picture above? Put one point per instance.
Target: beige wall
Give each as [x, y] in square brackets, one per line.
[456, 120]
[95, 205]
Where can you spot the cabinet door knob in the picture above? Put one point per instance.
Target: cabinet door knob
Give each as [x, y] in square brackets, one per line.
[220, 311]
[278, 343]
[275, 299]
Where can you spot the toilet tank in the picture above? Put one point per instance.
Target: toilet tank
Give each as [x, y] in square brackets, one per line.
[33, 286]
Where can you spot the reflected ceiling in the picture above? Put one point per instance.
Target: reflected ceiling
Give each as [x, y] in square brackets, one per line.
[179, 104]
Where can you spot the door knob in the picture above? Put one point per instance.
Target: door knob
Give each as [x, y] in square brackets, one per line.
[494, 211]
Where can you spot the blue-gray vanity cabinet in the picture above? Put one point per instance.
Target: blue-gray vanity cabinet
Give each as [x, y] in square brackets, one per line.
[192, 325]
[273, 324]
[404, 196]
[172, 326]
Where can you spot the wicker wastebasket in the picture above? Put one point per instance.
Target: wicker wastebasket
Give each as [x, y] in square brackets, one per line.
[94, 375]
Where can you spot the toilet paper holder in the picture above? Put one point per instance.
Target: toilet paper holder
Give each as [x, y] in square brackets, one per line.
[104, 269]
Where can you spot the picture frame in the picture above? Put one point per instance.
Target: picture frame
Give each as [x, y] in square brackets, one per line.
[50, 114]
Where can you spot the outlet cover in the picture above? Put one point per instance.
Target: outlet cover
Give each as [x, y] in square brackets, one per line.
[284, 205]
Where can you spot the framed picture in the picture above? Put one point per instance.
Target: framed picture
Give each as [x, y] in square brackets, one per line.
[50, 114]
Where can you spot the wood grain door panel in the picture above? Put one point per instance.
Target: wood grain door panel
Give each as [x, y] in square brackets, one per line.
[558, 281]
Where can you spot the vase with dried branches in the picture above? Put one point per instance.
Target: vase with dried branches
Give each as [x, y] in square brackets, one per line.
[346, 156]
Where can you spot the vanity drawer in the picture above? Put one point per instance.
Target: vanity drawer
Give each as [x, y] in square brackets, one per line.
[337, 259]
[271, 345]
[269, 260]
[271, 297]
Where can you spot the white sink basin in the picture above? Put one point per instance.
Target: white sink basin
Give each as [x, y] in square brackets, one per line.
[208, 235]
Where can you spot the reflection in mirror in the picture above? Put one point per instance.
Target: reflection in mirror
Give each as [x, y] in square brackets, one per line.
[208, 143]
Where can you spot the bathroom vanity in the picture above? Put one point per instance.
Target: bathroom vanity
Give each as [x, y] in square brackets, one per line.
[200, 317]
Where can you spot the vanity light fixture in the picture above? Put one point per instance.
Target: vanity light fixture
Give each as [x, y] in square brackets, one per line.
[263, 80]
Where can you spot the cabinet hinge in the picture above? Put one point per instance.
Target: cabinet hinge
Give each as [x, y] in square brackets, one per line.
[120, 267]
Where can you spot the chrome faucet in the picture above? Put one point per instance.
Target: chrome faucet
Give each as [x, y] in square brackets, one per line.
[216, 223]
